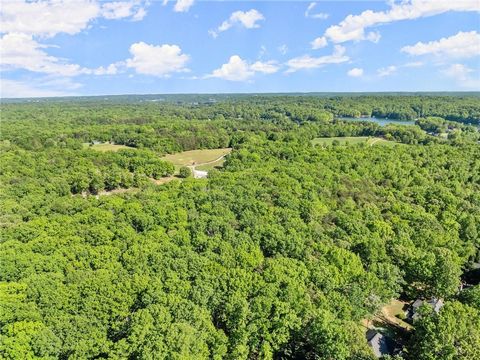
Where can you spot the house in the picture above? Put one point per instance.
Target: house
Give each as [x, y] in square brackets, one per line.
[199, 174]
[381, 344]
[412, 312]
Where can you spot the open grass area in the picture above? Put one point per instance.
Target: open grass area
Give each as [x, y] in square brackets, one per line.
[199, 158]
[211, 165]
[390, 317]
[351, 140]
[106, 147]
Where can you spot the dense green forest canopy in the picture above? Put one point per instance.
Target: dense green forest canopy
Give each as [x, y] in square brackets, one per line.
[281, 254]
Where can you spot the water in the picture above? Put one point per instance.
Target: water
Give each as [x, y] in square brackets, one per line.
[379, 121]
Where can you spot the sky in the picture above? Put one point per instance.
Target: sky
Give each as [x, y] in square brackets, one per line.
[91, 47]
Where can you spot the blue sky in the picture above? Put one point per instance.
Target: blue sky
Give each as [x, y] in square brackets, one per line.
[88, 47]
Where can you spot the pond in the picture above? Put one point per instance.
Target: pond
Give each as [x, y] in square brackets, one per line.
[379, 121]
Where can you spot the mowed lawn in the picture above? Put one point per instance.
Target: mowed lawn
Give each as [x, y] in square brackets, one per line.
[352, 140]
[106, 147]
[199, 158]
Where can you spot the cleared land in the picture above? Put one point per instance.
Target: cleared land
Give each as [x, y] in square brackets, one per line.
[353, 140]
[106, 147]
[389, 319]
[198, 157]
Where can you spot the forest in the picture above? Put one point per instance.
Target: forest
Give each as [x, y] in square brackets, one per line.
[292, 249]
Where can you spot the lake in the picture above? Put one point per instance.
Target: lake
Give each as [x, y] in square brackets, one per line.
[379, 121]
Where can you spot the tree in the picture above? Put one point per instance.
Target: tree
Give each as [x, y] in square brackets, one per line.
[453, 334]
[185, 172]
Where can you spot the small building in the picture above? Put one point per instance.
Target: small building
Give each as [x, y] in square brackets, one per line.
[199, 174]
[412, 312]
[381, 344]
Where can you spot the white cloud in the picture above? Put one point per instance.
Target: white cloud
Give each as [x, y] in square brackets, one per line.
[283, 49]
[319, 42]
[182, 5]
[373, 36]
[139, 15]
[111, 69]
[461, 45]
[320, 15]
[309, 62]
[123, 9]
[268, 67]
[235, 70]
[462, 75]
[160, 60]
[20, 51]
[248, 19]
[23, 23]
[353, 27]
[46, 18]
[386, 71]
[238, 69]
[355, 72]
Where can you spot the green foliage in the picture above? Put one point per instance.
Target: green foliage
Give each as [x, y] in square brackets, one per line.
[185, 172]
[279, 254]
[451, 335]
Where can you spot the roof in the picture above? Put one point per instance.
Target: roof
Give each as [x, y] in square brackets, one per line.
[417, 303]
[412, 312]
[436, 304]
[380, 344]
[199, 174]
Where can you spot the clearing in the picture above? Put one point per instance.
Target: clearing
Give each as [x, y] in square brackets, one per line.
[389, 316]
[199, 161]
[106, 147]
[352, 140]
[203, 159]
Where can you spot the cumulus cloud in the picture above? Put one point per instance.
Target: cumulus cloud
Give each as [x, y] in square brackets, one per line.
[123, 9]
[461, 45]
[353, 27]
[111, 69]
[355, 72]
[268, 67]
[21, 51]
[463, 76]
[238, 69]
[25, 24]
[386, 71]
[247, 19]
[308, 62]
[319, 42]
[47, 18]
[182, 5]
[319, 15]
[157, 60]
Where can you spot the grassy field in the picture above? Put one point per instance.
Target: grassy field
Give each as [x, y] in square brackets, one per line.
[388, 319]
[106, 147]
[203, 159]
[353, 140]
[211, 165]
